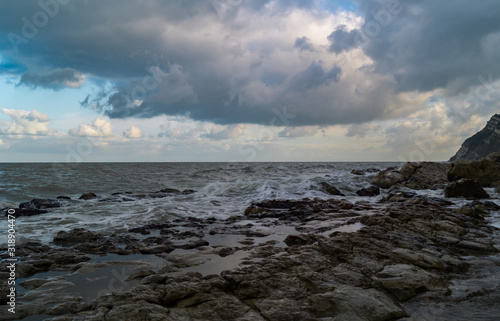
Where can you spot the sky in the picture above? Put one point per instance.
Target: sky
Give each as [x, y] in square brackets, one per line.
[245, 80]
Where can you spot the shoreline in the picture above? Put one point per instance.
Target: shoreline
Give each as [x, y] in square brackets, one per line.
[405, 256]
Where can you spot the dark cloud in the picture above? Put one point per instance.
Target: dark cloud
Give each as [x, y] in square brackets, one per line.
[191, 58]
[429, 44]
[57, 79]
[303, 43]
[342, 40]
[314, 76]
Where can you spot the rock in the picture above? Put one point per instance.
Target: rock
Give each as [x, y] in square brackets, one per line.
[370, 191]
[357, 172]
[226, 251]
[497, 189]
[482, 144]
[387, 178]
[40, 204]
[193, 245]
[170, 190]
[332, 190]
[348, 303]
[88, 196]
[485, 172]
[494, 157]
[156, 249]
[63, 198]
[75, 236]
[465, 188]
[299, 239]
[425, 175]
[405, 281]
[18, 212]
[141, 310]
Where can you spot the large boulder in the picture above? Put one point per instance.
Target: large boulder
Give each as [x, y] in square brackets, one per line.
[425, 175]
[17, 212]
[370, 191]
[75, 236]
[386, 178]
[332, 190]
[465, 188]
[486, 171]
[88, 196]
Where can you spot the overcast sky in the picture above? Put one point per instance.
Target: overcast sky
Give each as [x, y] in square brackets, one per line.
[245, 80]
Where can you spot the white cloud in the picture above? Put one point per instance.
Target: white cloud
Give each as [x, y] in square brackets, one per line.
[99, 128]
[133, 132]
[230, 132]
[303, 131]
[25, 123]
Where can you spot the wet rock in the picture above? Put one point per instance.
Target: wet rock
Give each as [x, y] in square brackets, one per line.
[386, 178]
[332, 190]
[298, 239]
[357, 172]
[352, 303]
[156, 249]
[425, 175]
[141, 310]
[193, 245]
[40, 204]
[63, 198]
[485, 172]
[401, 196]
[370, 191]
[226, 251]
[75, 236]
[18, 212]
[465, 188]
[405, 281]
[87, 196]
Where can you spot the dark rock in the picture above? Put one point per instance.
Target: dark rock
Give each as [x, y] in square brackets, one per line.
[193, 245]
[425, 175]
[332, 190]
[75, 236]
[18, 212]
[40, 204]
[170, 190]
[226, 251]
[387, 178]
[188, 191]
[485, 172]
[298, 239]
[63, 198]
[483, 143]
[88, 196]
[370, 191]
[372, 170]
[357, 172]
[465, 188]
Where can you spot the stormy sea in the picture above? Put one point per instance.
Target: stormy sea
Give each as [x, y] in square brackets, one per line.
[228, 241]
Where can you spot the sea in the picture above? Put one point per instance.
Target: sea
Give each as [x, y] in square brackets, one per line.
[221, 190]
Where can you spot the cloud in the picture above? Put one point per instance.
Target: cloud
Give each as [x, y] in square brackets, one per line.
[98, 128]
[133, 132]
[56, 79]
[303, 43]
[233, 62]
[361, 130]
[294, 132]
[26, 123]
[343, 40]
[230, 132]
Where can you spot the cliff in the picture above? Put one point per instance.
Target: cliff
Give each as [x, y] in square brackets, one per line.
[483, 143]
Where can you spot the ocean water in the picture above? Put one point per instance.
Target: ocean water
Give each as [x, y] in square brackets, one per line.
[222, 190]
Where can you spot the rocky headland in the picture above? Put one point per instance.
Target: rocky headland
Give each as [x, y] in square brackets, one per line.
[406, 256]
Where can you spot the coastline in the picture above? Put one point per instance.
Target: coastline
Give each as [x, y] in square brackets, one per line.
[309, 259]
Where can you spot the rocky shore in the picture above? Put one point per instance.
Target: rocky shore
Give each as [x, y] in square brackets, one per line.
[407, 256]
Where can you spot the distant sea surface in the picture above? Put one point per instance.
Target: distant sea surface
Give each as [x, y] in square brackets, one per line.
[222, 190]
